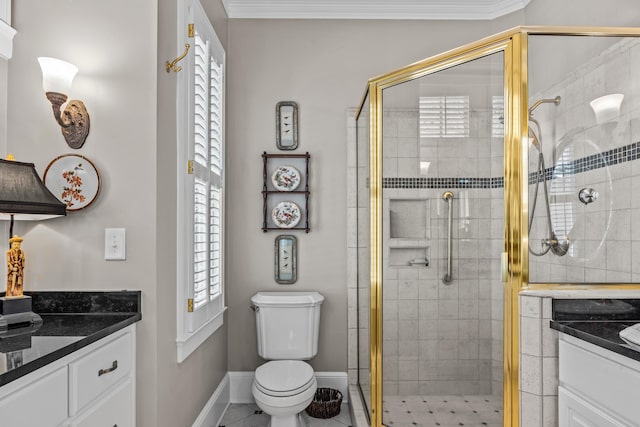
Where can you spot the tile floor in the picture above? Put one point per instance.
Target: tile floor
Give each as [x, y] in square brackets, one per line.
[443, 411]
[249, 415]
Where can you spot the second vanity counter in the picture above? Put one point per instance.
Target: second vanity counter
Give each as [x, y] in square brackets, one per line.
[598, 321]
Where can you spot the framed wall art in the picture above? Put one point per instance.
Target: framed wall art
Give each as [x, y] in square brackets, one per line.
[286, 259]
[286, 125]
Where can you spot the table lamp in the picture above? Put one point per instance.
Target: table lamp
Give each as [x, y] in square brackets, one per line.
[22, 194]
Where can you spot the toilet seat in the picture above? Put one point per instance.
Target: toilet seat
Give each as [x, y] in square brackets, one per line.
[281, 378]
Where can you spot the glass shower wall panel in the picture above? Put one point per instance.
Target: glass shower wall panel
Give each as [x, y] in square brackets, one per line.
[443, 132]
[363, 290]
[584, 159]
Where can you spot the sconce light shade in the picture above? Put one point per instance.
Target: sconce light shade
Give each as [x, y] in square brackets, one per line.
[23, 193]
[57, 77]
[607, 107]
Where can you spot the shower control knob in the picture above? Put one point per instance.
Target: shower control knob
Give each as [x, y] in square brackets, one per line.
[588, 195]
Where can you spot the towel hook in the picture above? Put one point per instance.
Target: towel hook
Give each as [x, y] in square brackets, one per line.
[172, 65]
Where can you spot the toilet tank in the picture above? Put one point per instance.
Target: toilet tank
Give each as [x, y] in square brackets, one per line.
[287, 324]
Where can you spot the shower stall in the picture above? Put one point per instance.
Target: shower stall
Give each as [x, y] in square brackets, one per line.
[503, 165]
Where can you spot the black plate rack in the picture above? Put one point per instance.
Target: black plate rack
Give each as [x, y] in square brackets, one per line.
[271, 196]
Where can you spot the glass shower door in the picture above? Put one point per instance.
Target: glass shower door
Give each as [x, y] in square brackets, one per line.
[442, 238]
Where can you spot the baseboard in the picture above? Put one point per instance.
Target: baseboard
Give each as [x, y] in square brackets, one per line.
[240, 385]
[356, 408]
[214, 410]
[335, 380]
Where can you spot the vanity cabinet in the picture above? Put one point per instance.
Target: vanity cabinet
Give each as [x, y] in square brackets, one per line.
[93, 386]
[597, 388]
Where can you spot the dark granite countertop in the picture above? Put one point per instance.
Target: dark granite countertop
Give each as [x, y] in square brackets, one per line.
[598, 321]
[70, 321]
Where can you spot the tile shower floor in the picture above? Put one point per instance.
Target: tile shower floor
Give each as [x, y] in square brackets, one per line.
[249, 415]
[443, 411]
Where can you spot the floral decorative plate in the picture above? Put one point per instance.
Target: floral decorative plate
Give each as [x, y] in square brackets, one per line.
[285, 178]
[74, 180]
[286, 215]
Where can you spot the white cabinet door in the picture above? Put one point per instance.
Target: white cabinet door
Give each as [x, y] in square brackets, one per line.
[116, 409]
[576, 412]
[43, 403]
[95, 373]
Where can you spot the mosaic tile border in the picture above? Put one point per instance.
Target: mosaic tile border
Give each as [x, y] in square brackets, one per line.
[596, 161]
[442, 182]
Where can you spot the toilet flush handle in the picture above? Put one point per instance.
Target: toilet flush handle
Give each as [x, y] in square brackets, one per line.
[254, 308]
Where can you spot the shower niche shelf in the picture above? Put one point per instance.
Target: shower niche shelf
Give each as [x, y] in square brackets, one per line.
[409, 219]
[409, 227]
[272, 196]
[409, 256]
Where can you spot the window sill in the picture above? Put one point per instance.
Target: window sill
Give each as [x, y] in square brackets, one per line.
[189, 342]
[6, 40]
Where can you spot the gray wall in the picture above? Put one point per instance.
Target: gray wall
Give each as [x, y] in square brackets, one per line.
[183, 390]
[131, 101]
[324, 66]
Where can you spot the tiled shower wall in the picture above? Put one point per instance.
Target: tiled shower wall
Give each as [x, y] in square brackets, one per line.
[605, 237]
[438, 338]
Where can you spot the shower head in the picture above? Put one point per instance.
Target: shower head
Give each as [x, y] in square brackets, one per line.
[533, 138]
[555, 101]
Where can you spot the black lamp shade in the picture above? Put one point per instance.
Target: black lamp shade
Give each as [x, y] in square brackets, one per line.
[23, 193]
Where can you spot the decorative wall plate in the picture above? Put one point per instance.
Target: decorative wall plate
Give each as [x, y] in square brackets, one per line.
[285, 178]
[286, 215]
[74, 180]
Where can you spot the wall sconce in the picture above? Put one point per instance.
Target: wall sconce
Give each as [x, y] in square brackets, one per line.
[57, 77]
[607, 107]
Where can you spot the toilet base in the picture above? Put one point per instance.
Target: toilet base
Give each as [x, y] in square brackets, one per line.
[294, 420]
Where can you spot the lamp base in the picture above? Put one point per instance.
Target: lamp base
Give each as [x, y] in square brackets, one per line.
[17, 310]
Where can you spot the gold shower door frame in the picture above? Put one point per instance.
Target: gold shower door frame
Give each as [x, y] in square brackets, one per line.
[515, 274]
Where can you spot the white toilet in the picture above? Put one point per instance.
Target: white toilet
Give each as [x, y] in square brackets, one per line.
[287, 326]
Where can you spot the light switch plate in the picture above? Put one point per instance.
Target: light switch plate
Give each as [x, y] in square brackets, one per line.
[115, 244]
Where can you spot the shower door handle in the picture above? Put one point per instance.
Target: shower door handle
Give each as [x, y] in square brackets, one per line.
[448, 197]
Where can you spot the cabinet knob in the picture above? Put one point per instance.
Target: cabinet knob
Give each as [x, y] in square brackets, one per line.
[113, 367]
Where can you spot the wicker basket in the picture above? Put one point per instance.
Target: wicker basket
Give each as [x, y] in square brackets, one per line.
[326, 403]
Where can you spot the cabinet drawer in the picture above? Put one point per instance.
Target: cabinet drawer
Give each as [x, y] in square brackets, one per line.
[42, 403]
[576, 412]
[115, 410]
[93, 374]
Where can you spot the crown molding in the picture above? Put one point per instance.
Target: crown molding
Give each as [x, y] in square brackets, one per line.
[372, 9]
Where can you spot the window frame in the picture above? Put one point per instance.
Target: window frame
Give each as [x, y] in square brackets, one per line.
[194, 327]
[7, 32]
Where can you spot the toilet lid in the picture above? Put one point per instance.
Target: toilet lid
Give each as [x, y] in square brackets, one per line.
[284, 377]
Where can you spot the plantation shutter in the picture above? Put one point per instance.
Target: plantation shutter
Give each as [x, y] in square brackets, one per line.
[207, 168]
[444, 116]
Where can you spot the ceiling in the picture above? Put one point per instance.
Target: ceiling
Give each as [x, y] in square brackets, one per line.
[372, 9]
